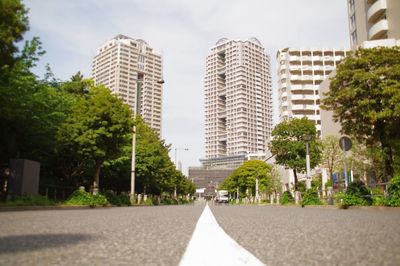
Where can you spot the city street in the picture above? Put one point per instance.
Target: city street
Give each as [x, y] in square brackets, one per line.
[313, 235]
[159, 235]
[100, 236]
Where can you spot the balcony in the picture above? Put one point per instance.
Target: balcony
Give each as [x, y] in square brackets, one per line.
[376, 10]
[310, 97]
[378, 30]
[303, 87]
[310, 117]
[222, 114]
[303, 107]
[222, 136]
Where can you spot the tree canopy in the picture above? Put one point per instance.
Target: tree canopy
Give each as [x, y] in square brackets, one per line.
[244, 178]
[288, 144]
[97, 127]
[13, 25]
[364, 96]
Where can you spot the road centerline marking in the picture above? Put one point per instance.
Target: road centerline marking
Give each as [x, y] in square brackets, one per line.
[211, 245]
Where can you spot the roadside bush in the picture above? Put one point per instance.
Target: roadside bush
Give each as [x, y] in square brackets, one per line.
[358, 194]
[30, 200]
[83, 198]
[287, 198]
[301, 186]
[117, 200]
[147, 202]
[378, 197]
[394, 192]
[311, 198]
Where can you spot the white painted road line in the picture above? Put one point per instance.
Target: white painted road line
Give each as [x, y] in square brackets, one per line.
[210, 245]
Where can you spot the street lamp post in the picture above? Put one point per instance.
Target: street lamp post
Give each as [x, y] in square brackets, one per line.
[139, 83]
[133, 162]
[307, 138]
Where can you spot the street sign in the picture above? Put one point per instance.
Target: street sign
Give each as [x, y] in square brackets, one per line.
[345, 143]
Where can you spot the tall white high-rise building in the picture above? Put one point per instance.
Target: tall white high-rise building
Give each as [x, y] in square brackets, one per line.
[300, 72]
[130, 69]
[238, 99]
[374, 23]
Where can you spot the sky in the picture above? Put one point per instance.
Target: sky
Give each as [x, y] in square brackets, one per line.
[182, 31]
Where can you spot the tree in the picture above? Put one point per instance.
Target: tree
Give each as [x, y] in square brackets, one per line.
[97, 127]
[244, 177]
[364, 96]
[331, 154]
[289, 146]
[13, 25]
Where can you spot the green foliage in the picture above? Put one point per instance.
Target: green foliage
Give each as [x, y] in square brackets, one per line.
[169, 201]
[245, 176]
[364, 96]
[287, 198]
[117, 199]
[301, 186]
[394, 192]
[29, 200]
[310, 197]
[358, 193]
[289, 147]
[13, 24]
[83, 198]
[378, 197]
[331, 155]
[97, 127]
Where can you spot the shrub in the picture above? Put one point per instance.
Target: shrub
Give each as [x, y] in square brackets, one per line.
[83, 198]
[357, 194]
[287, 198]
[394, 192]
[30, 200]
[148, 202]
[301, 186]
[311, 198]
[117, 200]
[378, 198]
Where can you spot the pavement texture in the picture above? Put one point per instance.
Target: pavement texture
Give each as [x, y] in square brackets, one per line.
[100, 236]
[280, 235]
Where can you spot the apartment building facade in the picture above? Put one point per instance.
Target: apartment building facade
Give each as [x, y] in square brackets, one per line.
[373, 23]
[238, 98]
[130, 69]
[300, 72]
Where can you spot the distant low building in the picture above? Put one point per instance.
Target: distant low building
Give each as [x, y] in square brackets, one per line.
[203, 177]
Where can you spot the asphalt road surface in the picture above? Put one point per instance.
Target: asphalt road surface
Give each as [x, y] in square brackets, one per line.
[314, 236]
[159, 235]
[100, 236]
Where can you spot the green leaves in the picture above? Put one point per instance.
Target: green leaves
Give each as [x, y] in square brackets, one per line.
[364, 96]
[289, 147]
[245, 176]
[97, 126]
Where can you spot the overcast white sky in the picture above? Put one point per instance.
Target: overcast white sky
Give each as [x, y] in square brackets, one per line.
[183, 32]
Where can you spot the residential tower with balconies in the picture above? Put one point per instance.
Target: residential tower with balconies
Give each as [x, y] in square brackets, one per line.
[373, 22]
[131, 70]
[300, 72]
[238, 99]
